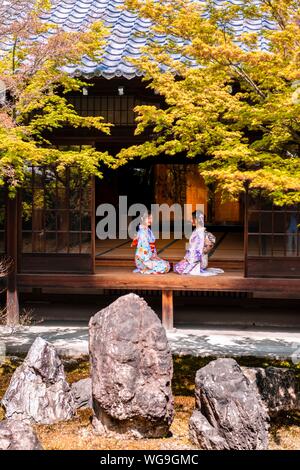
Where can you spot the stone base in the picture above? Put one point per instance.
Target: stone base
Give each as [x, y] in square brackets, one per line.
[204, 435]
[135, 428]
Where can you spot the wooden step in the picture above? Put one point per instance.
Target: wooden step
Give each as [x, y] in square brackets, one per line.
[226, 264]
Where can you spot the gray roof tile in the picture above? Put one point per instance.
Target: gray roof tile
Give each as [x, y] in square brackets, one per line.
[127, 32]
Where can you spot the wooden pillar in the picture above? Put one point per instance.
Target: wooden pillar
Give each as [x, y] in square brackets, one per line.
[167, 309]
[93, 223]
[246, 230]
[12, 301]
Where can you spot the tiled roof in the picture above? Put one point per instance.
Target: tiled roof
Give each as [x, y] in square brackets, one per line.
[126, 32]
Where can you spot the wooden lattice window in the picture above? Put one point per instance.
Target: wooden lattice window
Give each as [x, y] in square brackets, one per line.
[56, 213]
[118, 110]
[272, 238]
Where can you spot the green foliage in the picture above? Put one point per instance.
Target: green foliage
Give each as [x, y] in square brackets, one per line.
[34, 72]
[228, 101]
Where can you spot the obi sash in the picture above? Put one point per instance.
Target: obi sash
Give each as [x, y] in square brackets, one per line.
[152, 245]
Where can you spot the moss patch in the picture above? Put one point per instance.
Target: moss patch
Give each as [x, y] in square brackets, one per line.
[78, 433]
[185, 368]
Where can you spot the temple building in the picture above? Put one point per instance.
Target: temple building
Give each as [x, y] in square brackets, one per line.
[50, 229]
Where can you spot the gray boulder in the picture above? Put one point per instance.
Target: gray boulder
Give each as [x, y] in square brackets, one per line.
[229, 412]
[17, 435]
[82, 393]
[131, 366]
[277, 387]
[38, 391]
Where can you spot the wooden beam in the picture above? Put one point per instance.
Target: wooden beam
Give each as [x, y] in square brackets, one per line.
[12, 301]
[124, 278]
[167, 309]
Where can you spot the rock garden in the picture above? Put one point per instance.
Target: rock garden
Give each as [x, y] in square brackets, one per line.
[132, 394]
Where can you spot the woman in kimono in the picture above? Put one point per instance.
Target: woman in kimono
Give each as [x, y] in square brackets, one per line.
[196, 258]
[146, 259]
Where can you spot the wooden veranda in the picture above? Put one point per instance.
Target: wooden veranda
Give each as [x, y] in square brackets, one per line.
[123, 278]
[50, 254]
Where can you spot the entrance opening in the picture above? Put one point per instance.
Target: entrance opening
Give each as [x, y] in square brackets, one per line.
[148, 183]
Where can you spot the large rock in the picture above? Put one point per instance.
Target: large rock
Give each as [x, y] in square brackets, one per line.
[131, 365]
[17, 435]
[38, 391]
[82, 393]
[277, 387]
[229, 412]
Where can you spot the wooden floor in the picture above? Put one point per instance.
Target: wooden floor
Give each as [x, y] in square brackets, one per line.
[228, 253]
[115, 265]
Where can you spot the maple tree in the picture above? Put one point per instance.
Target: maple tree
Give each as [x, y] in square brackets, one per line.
[233, 99]
[35, 82]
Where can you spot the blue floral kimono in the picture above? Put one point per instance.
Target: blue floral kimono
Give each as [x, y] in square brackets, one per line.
[146, 258]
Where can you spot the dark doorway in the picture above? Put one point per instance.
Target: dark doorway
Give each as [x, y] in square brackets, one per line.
[135, 182]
